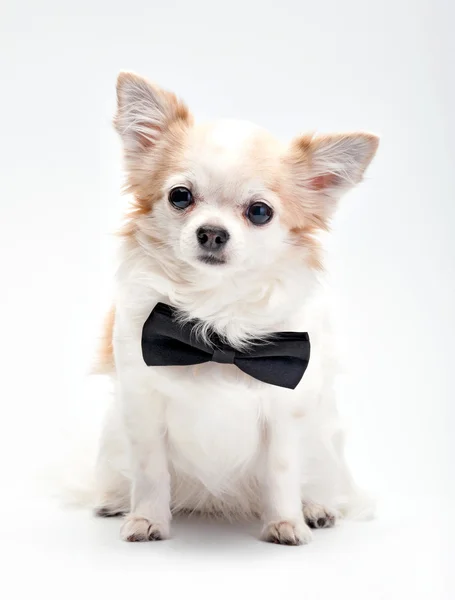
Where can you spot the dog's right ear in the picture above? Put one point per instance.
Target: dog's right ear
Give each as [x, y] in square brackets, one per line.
[145, 112]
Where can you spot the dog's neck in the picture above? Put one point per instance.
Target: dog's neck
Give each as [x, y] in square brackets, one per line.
[239, 306]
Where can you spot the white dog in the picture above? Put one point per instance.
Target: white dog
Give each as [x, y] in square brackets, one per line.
[223, 228]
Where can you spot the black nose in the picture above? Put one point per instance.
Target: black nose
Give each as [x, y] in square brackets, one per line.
[212, 238]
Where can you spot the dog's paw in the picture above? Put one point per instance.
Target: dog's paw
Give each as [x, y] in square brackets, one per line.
[317, 517]
[138, 529]
[288, 533]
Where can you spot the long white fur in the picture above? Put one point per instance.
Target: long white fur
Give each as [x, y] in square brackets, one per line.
[209, 438]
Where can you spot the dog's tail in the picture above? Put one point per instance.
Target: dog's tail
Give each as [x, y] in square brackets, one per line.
[70, 478]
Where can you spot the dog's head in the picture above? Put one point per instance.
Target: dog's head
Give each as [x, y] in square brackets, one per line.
[227, 197]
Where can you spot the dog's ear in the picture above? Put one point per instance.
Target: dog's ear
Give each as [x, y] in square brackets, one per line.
[323, 167]
[145, 112]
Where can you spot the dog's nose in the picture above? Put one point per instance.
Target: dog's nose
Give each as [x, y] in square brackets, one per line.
[212, 238]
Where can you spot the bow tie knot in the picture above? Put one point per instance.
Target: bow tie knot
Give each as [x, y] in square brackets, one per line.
[280, 361]
[224, 355]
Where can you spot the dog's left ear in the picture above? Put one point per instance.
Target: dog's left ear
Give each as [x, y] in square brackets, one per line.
[324, 167]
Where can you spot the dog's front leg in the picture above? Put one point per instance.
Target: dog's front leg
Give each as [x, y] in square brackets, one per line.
[283, 518]
[143, 414]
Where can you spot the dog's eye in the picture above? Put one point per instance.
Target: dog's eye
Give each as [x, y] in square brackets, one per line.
[180, 198]
[259, 213]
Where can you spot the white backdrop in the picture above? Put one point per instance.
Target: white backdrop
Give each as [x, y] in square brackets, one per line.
[291, 66]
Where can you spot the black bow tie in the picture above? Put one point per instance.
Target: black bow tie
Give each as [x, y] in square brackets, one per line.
[166, 342]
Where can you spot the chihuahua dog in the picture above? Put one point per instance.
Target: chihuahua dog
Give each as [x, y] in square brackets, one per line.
[224, 227]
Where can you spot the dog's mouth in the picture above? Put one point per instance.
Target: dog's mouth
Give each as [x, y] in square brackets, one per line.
[209, 259]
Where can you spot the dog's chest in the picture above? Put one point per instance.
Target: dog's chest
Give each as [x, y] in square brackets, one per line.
[214, 417]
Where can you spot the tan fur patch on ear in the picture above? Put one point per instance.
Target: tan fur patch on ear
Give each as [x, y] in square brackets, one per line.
[328, 155]
[144, 112]
[317, 171]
